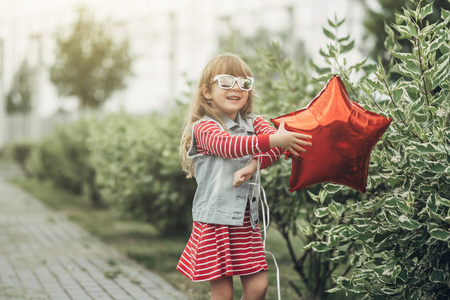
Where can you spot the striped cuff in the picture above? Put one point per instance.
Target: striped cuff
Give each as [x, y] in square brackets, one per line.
[263, 142]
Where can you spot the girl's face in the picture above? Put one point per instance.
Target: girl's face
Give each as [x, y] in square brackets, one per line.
[228, 102]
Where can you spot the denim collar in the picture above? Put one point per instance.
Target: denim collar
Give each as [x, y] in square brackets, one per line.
[240, 121]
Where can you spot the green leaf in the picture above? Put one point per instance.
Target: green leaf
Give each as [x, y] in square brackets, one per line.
[336, 209]
[368, 250]
[445, 14]
[320, 247]
[437, 276]
[328, 33]
[426, 148]
[322, 71]
[436, 167]
[440, 234]
[310, 245]
[332, 188]
[436, 43]
[333, 290]
[339, 23]
[321, 78]
[402, 69]
[441, 201]
[389, 30]
[399, 18]
[397, 94]
[338, 259]
[403, 206]
[347, 47]
[321, 212]
[323, 195]
[415, 106]
[396, 271]
[415, 295]
[314, 197]
[389, 43]
[426, 10]
[381, 202]
[346, 38]
[332, 51]
[403, 55]
[407, 223]
[403, 30]
[442, 72]
[376, 84]
[331, 23]
[391, 291]
[359, 65]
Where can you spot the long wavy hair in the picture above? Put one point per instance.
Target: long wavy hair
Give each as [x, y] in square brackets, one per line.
[200, 106]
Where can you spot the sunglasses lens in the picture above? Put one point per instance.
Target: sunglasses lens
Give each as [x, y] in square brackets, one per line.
[226, 82]
[245, 83]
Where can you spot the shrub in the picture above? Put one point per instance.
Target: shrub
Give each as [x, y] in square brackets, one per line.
[402, 225]
[63, 157]
[138, 169]
[20, 151]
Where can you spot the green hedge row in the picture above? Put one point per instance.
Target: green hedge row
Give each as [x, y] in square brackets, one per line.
[126, 162]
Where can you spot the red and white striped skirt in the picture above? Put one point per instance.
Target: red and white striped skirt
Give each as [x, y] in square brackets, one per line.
[215, 251]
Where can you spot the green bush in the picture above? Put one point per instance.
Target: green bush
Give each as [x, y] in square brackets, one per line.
[20, 151]
[401, 227]
[138, 169]
[130, 163]
[63, 157]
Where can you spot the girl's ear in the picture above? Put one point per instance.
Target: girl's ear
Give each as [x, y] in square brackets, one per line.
[206, 92]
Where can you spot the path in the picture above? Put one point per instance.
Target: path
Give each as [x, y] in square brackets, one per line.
[45, 256]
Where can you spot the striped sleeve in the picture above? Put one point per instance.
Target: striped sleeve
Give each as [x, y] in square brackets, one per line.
[213, 140]
[268, 157]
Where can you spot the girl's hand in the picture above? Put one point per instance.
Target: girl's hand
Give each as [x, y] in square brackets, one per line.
[245, 173]
[289, 140]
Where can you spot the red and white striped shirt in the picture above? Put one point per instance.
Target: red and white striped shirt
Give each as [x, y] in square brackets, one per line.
[211, 139]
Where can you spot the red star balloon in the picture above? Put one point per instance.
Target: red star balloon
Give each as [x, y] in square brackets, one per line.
[343, 136]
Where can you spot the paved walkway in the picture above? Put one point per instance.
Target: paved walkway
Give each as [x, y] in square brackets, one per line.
[45, 256]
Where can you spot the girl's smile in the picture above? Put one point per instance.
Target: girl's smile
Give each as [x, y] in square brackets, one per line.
[228, 102]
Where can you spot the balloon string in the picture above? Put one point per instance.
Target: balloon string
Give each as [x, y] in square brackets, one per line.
[265, 205]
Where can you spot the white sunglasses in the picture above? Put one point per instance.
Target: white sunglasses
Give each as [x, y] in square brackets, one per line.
[227, 82]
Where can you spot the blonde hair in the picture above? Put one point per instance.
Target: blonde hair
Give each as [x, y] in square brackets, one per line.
[200, 106]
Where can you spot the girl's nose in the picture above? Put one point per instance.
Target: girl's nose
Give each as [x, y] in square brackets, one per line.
[236, 86]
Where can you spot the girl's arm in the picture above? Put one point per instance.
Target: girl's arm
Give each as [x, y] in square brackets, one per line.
[212, 139]
[261, 126]
[280, 137]
[279, 140]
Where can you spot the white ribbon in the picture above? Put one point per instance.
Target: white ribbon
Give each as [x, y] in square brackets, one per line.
[264, 205]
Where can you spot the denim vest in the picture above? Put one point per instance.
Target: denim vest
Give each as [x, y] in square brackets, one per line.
[216, 201]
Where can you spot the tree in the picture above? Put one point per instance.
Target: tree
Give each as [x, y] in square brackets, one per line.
[89, 63]
[20, 96]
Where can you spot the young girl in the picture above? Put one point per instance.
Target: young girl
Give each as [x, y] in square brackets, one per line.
[222, 145]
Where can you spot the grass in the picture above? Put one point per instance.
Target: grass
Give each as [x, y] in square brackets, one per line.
[142, 242]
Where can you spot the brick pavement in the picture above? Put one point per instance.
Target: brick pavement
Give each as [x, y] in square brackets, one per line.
[45, 256]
